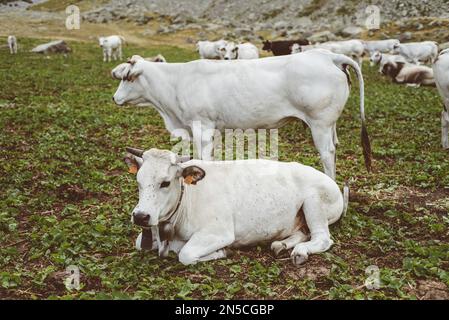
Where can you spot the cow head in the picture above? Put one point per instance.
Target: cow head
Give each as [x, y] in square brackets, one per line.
[375, 58]
[159, 176]
[396, 48]
[131, 89]
[229, 51]
[266, 45]
[102, 41]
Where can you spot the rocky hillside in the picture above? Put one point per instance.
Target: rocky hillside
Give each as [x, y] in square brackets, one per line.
[282, 18]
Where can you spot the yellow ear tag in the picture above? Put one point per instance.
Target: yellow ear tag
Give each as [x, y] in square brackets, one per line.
[188, 179]
[133, 169]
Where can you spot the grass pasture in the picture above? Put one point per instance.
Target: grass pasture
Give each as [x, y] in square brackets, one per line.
[66, 196]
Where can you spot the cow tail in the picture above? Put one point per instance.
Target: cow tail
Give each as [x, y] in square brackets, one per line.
[345, 198]
[342, 62]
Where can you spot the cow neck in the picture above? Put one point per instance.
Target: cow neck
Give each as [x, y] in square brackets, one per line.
[176, 208]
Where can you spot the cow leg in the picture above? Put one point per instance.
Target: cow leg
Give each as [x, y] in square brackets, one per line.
[316, 219]
[120, 53]
[335, 137]
[278, 246]
[445, 129]
[323, 140]
[219, 254]
[205, 246]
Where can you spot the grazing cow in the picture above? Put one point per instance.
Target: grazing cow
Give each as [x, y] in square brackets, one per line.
[350, 48]
[441, 73]
[12, 44]
[283, 47]
[112, 47]
[210, 49]
[412, 75]
[231, 51]
[158, 58]
[203, 207]
[312, 86]
[378, 58]
[417, 52]
[382, 46]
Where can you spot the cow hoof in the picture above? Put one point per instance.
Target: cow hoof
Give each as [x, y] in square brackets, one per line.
[277, 247]
[299, 259]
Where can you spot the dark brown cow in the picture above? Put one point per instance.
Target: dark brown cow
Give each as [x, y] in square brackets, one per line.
[282, 47]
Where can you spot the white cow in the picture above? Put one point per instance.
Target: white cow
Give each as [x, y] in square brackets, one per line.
[12, 44]
[441, 73]
[383, 46]
[416, 52]
[410, 74]
[246, 94]
[203, 207]
[112, 47]
[378, 58]
[210, 49]
[232, 51]
[351, 48]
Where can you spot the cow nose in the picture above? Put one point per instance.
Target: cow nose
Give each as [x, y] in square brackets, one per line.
[141, 219]
[226, 58]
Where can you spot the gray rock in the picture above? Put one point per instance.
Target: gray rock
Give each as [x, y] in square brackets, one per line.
[322, 37]
[352, 31]
[406, 36]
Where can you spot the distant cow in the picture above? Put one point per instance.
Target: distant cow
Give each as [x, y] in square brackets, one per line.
[12, 44]
[201, 208]
[112, 47]
[351, 48]
[158, 58]
[382, 46]
[282, 47]
[441, 73]
[417, 52]
[412, 75]
[234, 51]
[210, 49]
[378, 58]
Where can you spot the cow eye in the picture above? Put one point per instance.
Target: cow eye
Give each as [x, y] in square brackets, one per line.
[165, 184]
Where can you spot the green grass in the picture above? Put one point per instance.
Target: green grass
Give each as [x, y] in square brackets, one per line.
[66, 197]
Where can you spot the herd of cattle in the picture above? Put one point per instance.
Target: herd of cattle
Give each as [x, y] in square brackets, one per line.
[200, 208]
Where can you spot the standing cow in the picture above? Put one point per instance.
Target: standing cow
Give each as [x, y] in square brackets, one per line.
[312, 86]
[210, 49]
[232, 51]
[441, 74]
[382, 46]
[417, 52]
[12, 44]
[203, 207]
[282, 47]
[112, 47]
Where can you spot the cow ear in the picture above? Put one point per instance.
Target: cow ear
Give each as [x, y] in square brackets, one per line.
[133, 162]
[133, 73]
[193, 174]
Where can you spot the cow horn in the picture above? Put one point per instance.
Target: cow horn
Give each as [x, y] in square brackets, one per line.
[135, 152]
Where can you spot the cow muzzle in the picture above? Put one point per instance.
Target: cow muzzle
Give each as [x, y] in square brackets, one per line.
[141, 219]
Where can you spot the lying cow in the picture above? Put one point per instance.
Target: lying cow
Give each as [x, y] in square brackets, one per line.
[382, 46]
[412, 75]
[200, 208]
[311, 86]
[378, 58]
[283, 47]
[441, 73]
[417, 52]
[12, 44]
[232, 51]
[210, 49]
[112, 47]
[158, 58]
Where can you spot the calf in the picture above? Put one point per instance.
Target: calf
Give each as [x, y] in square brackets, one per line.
[382, 46]
[210, 49]
[378, 58]
[441, 72]
[417, 52]
[12, 44]
[201, 208]
[311, 86]
[412, 75]
[283, 47]
[112, 47]
[231, 51]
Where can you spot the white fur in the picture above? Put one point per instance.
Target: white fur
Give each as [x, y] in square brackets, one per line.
[237, 204]
[382, 46]
[378, 58]
[417, 52]
[441, 73]
[232, 51]
[12, 44]
[112, 47]
[210, 49]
